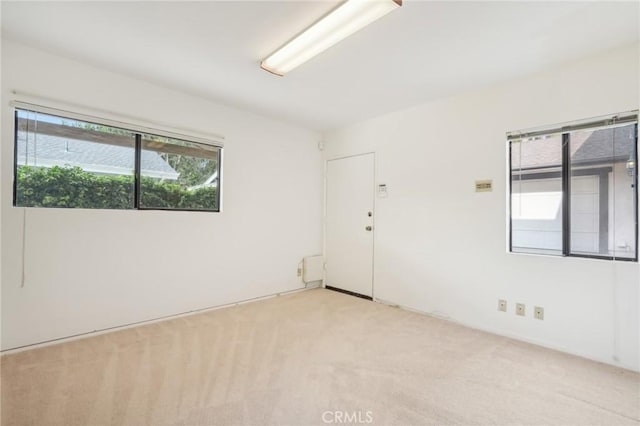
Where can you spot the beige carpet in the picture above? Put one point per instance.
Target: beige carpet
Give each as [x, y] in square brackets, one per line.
[308, 357]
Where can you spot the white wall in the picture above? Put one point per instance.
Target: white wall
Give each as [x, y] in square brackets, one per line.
[91, 269]
[441, 248]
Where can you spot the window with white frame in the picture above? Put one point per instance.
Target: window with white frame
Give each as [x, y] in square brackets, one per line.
[574, 189]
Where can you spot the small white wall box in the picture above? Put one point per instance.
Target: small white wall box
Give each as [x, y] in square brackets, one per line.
[383, 190]
[312, 269]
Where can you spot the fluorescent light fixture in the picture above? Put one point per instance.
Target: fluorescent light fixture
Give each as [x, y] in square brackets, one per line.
[343, 21]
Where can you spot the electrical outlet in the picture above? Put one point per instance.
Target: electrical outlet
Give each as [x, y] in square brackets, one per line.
[502, 305]
[538, 312]
[299, 272]
[520, 309]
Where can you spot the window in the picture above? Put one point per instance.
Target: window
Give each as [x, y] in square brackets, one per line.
[191, 183]
[574, 189]
[70, 163]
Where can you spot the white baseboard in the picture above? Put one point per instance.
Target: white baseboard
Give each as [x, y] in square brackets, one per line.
[514, 336]
[144, 322]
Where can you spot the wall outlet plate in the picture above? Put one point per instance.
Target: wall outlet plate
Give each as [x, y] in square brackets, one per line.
[520, 309]
[538, 312]
[502, 305]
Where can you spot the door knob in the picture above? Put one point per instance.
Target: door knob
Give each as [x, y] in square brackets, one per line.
[368, 228]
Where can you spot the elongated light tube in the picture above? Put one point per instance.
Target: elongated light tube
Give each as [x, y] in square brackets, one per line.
[343, 21]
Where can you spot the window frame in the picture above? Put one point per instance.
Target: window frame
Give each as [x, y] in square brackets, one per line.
[565, 175]
[138, 131]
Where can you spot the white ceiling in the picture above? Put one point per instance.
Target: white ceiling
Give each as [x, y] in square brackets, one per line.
[422, 51]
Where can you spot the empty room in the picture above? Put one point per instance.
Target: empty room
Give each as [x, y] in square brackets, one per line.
[386, 212]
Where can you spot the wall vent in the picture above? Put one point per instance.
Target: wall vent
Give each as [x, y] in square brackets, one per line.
[312, 269]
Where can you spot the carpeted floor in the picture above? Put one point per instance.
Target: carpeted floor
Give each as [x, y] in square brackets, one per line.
[314, 357]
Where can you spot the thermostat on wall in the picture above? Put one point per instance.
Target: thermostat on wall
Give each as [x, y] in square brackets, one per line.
[484, 185]
[382, 190]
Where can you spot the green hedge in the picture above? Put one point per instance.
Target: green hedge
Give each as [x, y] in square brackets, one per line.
[73, 187]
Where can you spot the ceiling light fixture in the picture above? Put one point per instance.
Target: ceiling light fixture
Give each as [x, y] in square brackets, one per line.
[340, 23]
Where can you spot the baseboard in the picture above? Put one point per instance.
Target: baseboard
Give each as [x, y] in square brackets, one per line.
[513, 336]
[98, 332]
[255, 299]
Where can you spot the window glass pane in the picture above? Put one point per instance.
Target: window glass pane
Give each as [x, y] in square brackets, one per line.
[177, 174]
[602, 185]
[536, 195]
[69, 163]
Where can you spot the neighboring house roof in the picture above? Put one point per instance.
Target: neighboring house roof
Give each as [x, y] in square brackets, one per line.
[612, 145]
[601, 146]
[48, 151]
[212, 181]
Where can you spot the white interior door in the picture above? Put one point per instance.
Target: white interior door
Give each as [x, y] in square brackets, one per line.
[349, 224]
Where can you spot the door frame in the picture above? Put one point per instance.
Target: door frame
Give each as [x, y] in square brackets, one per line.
[375, 219]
